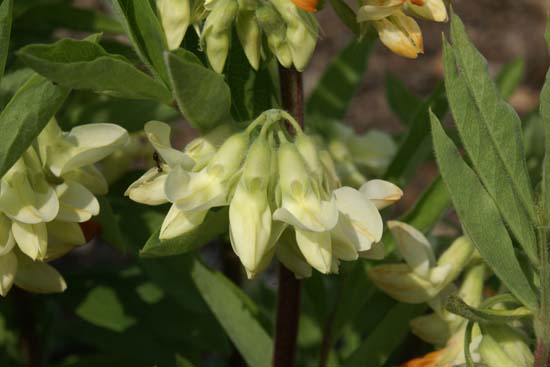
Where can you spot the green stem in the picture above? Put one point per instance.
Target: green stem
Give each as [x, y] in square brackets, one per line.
[542, 323]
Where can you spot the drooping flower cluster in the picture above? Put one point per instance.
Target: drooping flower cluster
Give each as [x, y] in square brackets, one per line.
[43, 198]
[396, 27]
[283, 193]
[289, 32]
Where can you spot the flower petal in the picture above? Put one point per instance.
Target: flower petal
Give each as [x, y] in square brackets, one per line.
[8, 269]
[414, 247]
[38, 277]
[32, 239]
[381, 193]
[291, 257]
[149, 188]
[177, 222]
[7, 242]
[376, 252]
[158, 134]
[434, 10]
[396, 39]
[84, 145]
[90, 177]
[316, 248]
[376, 10]
[77, 204]
[62, 238]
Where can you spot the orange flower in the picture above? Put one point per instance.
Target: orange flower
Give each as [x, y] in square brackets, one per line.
[307, 5]
[429, 360]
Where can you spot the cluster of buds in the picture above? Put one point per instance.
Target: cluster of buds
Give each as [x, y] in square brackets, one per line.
[396, 27]
[286, 28]
[43, 198]
[283, 193]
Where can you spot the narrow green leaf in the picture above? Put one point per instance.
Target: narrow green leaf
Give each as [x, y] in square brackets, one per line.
[388, 335]
[458, 306]
[340, 81]
[202, 95]
[86, 65]
[545, 114]
[145, 31]
[346, 14]
[417, 146]
[236, 313]
[510, 77]
[491, 132]
[30, 109]
[401, 100]
[480, 217]
[215, 224]
[6, 12]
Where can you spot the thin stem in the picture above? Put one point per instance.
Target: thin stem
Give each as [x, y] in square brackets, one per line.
[288, 302]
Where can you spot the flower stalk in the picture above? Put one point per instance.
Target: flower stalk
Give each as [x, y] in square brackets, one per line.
[288, 302]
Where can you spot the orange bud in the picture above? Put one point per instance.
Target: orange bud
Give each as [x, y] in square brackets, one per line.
[307, 5]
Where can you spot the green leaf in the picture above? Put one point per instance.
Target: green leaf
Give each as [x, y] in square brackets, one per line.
[401, 100]
[110, 229]
[417, 146]
[34, 104]
[510, 77]
[145, 31]
[346, 14]
[340, 81]
[491, 132]
[215, 224]
[480, 217]
[236, 313]
[86, 65]
[388, 335]
[458, 306]
[6, 10]
[545, 114]
[202, 95]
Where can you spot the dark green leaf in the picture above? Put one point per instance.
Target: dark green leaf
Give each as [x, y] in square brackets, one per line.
[340, 81]
[388, 335]
[510, 77]
[236, 313]
[491, 132]
[215, 224]
[110, 228]
[480, 217]
[34, 104]
[346, 14]
[145, 31]
[86, 65]
[6, 9]
[417, 147]
[401, 100]
[202, 95]
[458, 306]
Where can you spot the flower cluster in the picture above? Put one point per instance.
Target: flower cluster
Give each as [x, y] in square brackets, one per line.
[283, 193]
[289, 31]
[395, 26]
[43, 198]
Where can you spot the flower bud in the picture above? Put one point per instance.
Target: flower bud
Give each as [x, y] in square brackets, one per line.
[456, 257]
[347, 171]
[429, 9]
[274, 27]
[249, 35]
[378, 10]
[414, 247]
[401, 34]
[175, 17]
[501, 345]
[249, 211]
[149, 188]
[203, 148]
[381, 193]
[177, 223]
[217, 32]
[309, 152]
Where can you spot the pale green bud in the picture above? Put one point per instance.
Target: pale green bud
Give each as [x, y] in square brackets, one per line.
[501, 345]
[203, 148]
[308, 150]
[249, 32]
[301, 33]
[381, 193]
[217, 32]
[456, 257]
[177, 222]
[347, 171]
[431, 328]
[249, 211]
[274, 27]
[175, 17]
[149, 188]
